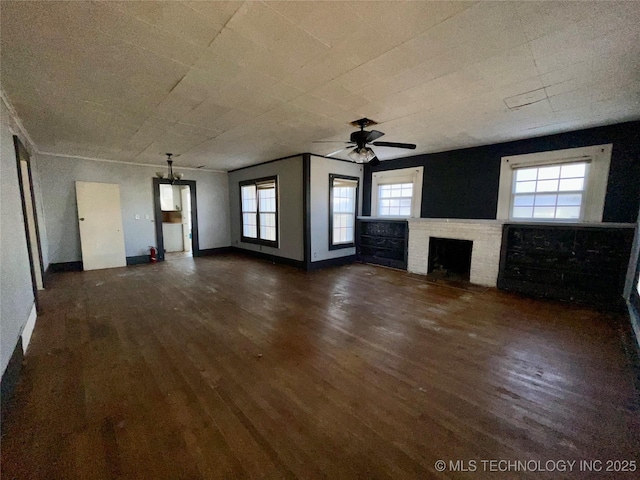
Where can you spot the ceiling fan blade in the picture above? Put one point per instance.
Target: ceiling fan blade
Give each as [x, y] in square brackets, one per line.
[331, 141]
[374, 161]
[410, 146]
[373, 135]
[338, 151]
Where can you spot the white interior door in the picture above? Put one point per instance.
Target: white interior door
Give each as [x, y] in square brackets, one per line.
[100, 220]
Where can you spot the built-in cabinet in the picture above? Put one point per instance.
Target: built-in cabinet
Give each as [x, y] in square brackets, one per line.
[578, 263]
[382, 242]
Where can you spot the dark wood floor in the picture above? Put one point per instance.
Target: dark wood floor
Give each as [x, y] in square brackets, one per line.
[229, 367]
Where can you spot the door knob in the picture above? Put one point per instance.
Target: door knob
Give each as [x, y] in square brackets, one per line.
[82, 219]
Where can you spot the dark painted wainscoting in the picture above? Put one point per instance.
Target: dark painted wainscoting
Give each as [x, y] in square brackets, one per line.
[331, 262]
[575, 263]
[65, 267]
[311, 266]
[464, 183]
[138, 260]
[271, 258]
[383, 242]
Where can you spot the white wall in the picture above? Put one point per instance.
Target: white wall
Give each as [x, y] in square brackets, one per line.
[16, 294]
[58, 176]
[321, 168]
[290, 214]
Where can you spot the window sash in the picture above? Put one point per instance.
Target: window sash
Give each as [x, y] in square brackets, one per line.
[259, 207]
[395, 199]
[549, 191]
[343, 210]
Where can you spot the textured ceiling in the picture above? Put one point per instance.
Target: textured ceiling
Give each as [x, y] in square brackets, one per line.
[229, 84]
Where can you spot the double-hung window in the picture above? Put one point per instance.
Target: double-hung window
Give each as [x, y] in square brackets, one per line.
[553, 192]
[556, 186]
[343, 208]
[397, 193]
[259, 203]
[394, 199]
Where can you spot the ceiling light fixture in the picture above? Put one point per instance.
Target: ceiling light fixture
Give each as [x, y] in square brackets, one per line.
[362, 154]
[171, 175]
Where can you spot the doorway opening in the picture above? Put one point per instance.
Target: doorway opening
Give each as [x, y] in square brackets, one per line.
[176, 218]
[450, 258]
[175, 202]
[25, 181]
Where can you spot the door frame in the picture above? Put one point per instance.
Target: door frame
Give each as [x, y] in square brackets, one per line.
[23, 154]
[157, 210]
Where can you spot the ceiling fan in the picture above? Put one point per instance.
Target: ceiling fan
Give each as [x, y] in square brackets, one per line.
[359, 140]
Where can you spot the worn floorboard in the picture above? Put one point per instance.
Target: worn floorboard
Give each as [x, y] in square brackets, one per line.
[229, 367]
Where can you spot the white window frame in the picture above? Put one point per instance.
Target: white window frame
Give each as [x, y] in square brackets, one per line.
[402, 175]
[599, 159]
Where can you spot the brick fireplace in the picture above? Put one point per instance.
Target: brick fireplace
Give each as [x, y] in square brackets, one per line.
[486, 236]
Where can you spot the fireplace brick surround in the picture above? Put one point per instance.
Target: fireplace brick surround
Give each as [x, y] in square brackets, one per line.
[485, 255]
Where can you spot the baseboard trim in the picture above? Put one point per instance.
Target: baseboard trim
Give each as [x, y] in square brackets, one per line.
[10, 378]
[27, 331]
[205, 252]
[332, 262]
[138, 260]
[272, 258]
[65, 267]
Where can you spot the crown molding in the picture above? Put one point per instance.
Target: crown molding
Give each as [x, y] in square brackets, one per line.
[105, 160]
[18, 121]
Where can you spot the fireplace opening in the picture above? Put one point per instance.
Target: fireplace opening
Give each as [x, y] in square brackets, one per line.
[450, 258]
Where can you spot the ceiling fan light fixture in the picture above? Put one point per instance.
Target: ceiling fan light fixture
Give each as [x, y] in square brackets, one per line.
[361, 154]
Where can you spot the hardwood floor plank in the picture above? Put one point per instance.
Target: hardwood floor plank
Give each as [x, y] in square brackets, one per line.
[231, 367]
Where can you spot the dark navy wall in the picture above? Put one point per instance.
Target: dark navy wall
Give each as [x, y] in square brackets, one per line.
[464, 183]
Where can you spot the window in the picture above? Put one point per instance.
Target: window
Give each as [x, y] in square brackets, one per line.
[557, 186]
[552, 192]
[259, 203]
[343, 208]
[394, 199]
[397, 193]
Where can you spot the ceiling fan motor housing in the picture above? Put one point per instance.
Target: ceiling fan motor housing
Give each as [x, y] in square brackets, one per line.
[360, 138]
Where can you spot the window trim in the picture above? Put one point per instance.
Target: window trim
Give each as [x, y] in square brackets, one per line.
[599, 159]
[338, 246]
[402, 175]
[258, 240]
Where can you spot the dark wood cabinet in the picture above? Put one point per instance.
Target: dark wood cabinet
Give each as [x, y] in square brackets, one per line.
[383, 242]
[579, 263]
